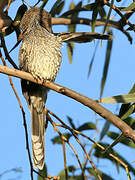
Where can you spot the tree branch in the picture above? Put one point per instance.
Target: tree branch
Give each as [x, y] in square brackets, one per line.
[126, 130]
[86, 21]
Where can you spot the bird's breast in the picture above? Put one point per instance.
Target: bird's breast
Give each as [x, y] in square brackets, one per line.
[43, 58]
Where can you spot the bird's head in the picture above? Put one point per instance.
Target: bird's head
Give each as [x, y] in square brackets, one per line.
[38, 15]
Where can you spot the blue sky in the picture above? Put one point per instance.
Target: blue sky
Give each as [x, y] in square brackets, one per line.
[13, 153]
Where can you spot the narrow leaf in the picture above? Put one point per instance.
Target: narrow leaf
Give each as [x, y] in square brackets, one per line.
[53, 10]
[20, 12]
[94, 17]
[130, 7]
[119, 138]
[102, 174]
[108, 16]
[105, 129]
[92, 60]
[70, 120]
[70, 47]
[128, 112]
[102, 12]
[99, 154]
[57, 139]
[125, 107]
[128, 98]
[123, 140]
[43, 4]
[132, 90]
[60, 8]
[43, 172]
[90, 7]
[106, 65]
[87, 126]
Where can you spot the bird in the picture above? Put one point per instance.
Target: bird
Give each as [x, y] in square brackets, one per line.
[40, 55]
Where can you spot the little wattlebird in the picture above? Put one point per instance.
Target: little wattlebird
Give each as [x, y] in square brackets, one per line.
[39, 55]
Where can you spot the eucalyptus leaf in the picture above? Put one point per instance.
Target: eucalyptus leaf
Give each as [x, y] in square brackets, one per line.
[106, 65]
[43, 172]
[70, 48]
[94, 17]
[70, 120]
[103, 175]
[108, 16]
[90, 7]
[123, 140]
[105, 129]
[127, 98]
[58, 140]
[99, 154]
[54, 10]
[130, 7]
[87, 126]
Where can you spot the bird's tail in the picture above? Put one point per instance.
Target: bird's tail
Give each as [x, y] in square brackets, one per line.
[36, 96]
[38, 140]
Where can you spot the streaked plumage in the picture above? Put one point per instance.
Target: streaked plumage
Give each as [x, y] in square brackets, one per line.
[39, 55]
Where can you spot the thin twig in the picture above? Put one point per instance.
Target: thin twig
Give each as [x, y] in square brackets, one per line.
[38, 173]
[24, 119]
[95, 143]
[84, 152]
[118, 12]
[9, 2]
[65, 139]
[65, 162]
[6, 52]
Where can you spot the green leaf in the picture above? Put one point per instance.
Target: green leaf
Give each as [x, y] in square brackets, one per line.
[43, 4]
[54, 10]
[60, 8]
[102, 174]
[126, 108]
[70, 47]
[108, 16]
[128, 112]
[70, 120]
[43, 173]
[62, 175]
[72, 28]
[119, 138]
[130, 7]
[87, 126]
[57, 139]
[128, 98]
[94, 17]
[99, 154]
[106, 65]
[77, 177]
[90, 7]
[71, 169]
[123, 109]
[73, 10]
[102, 12]
[93, 57]
[20, 12]
[130, 121]
[105, 129]
[132, 90]
[123, 140]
